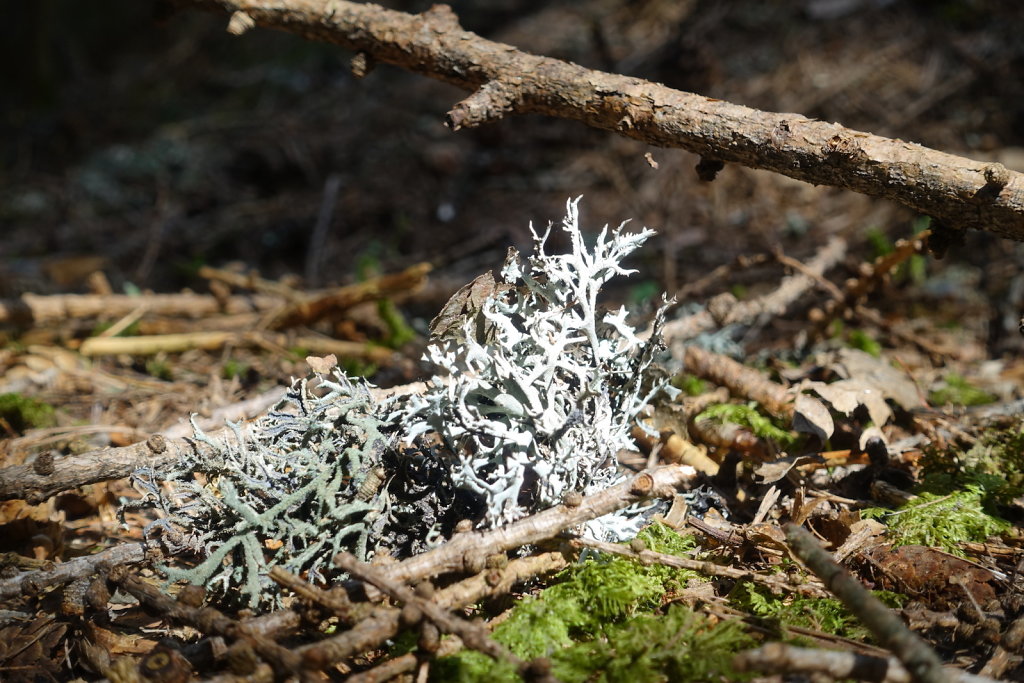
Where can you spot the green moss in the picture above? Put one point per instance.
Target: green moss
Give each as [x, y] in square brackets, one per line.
[958, 391]
[879, 242]
[916, 268]
[678, 645]
[827, 615]
[160, 368]
[961, 493]
[746, 415]
[643, 293]
[399, 332]
[23, 413]
[234, 368]
[859, 339]
[357, 367]
[943, 521]
[999, 452]
[691, 385]
[602, 623]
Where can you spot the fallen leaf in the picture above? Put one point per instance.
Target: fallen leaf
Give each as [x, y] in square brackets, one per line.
[810, 416]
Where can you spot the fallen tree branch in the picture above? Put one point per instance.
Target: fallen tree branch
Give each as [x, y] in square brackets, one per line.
[149, 345]
[724, 309]
[958, 192]
[39, 309]
[209, 621]
[471, 634]
[312, 308]
[34, 582]
[36, 482]
[383, 623]
[740, 380]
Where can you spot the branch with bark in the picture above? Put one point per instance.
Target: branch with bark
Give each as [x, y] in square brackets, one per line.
[957, 192]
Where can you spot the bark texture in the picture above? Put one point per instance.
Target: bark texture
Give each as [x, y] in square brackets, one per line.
[957, 192]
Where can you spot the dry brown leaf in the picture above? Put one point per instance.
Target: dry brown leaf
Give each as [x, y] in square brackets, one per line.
[810, 416]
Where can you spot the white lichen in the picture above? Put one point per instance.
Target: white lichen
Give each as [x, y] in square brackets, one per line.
[541, 404]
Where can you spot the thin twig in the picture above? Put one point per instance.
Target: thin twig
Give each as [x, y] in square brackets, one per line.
[468, 552]
[33, 582]
[780, 658]
[471, 634]
[774, 582]
[923, 665]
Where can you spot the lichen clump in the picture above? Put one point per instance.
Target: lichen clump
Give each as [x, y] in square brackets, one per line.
[540, 405]
[291, 491]
[531, 401]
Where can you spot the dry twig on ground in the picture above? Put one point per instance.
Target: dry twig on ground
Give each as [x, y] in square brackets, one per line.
[724, 309]
[780, 658]
[468, 552]
[740, 380]
[920, 660]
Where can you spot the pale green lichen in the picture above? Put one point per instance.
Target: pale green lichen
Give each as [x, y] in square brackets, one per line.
[285, 492]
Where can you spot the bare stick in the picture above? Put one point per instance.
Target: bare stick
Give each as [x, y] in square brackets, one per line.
[739, 379]
[80, 567]
[468, 552]
[313, 308]
[779, 658]
[959, 192]
[871, 277]
[37, 309]
[923, 665]
[472, 635]
[393, 668]
[724, 309]
[35, 485]
[209, 621]
[383, 623]
[147, 345]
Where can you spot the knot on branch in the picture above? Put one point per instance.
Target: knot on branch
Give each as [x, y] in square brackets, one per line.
[996, 176]
[489, 103]
[842, 147]
[441, 18]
